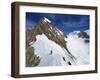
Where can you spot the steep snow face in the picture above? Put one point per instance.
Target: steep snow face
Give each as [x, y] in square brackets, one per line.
[78, 48]
[51, 54]
[47, 20]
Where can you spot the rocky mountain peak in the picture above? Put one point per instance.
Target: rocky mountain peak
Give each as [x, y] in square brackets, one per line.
[46, 20]
[44, 26]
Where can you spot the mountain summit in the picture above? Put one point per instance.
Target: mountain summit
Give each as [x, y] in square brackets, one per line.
[45, 26]
[52, 32]
[50, 44]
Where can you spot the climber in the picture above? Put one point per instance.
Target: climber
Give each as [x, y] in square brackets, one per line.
[51, 52]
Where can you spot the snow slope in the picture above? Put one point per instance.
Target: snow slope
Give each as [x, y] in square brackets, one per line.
[51, 54]
[78, 48]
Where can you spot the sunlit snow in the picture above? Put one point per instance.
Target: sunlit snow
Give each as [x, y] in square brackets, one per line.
[47, 20]
[51, 54]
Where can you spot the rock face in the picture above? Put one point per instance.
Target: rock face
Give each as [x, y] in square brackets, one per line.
[83, 35]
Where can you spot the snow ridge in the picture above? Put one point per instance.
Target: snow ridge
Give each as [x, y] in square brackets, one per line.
[47, 20]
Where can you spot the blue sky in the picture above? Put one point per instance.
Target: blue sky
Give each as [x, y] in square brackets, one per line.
[64, 22]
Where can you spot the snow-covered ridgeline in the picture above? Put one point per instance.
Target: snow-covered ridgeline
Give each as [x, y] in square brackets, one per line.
[46, 20]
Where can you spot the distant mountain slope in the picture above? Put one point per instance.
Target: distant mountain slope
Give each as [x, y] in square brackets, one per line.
[78, 45]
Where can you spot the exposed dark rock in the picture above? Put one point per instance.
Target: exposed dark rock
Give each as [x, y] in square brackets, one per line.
[83, 35]
[31, 58]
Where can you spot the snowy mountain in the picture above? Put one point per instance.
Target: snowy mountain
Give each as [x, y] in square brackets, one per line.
[53, 49]
[45, 26]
